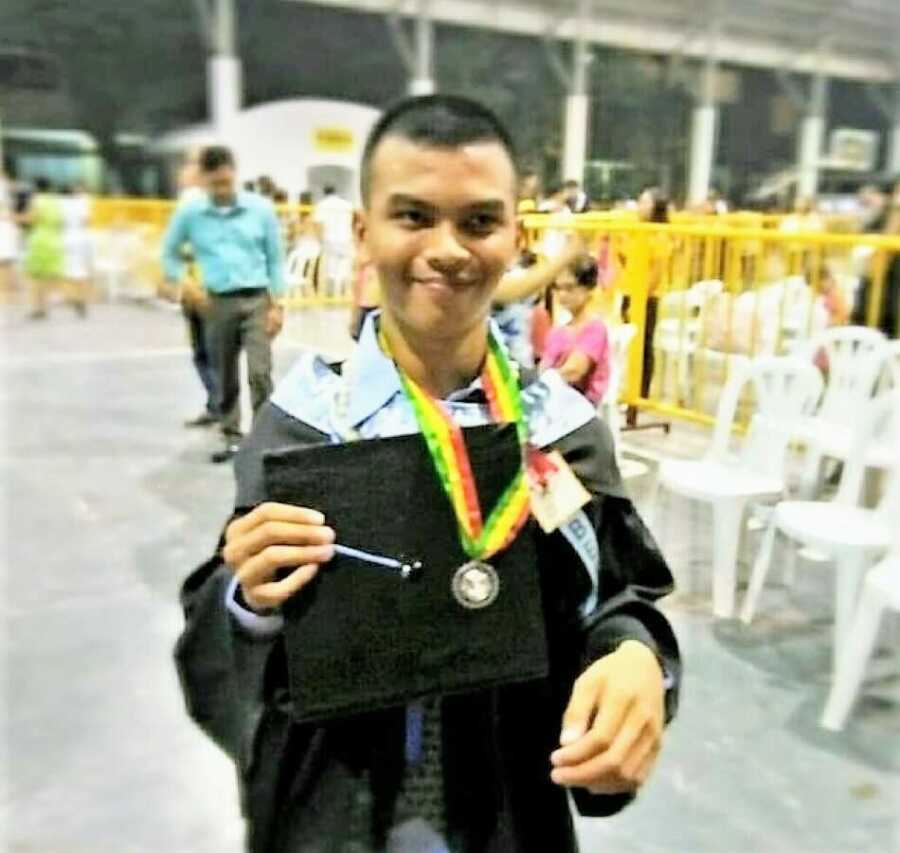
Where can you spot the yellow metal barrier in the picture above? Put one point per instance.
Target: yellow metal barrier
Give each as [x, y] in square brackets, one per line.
[722, 295]
[724, 288]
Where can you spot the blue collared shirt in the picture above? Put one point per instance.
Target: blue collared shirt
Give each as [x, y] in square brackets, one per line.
[236, 247]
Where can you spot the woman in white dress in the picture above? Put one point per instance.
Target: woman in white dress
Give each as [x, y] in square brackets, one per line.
[9, 237]
[77, 247]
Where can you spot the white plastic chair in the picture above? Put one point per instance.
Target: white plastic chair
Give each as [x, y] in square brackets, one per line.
[856, 356]
[851, 535]
[785, 388]
[881, 592]
[621, 338]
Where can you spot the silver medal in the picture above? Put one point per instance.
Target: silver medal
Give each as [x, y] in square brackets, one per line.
[476, 585]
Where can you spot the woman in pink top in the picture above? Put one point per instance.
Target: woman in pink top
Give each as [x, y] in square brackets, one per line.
[579, 351]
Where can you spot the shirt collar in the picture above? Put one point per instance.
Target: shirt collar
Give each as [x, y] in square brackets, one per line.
[240, 203]
[374, 380]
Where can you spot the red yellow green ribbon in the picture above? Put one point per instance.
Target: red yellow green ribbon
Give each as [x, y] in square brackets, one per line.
[480, 539]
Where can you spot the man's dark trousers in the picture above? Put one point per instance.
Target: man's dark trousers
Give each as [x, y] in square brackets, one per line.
[236, 321]
[196, 324]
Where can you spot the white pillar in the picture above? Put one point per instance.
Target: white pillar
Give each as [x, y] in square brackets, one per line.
[703, 148]
[893, 161]
[577, 107]
[812, 138]
[422, 82]
[576, 137]
[224, 77]
[223, 68]
[892, 166]
[705, 115]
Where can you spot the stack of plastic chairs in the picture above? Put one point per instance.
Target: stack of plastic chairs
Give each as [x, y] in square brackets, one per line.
[785, 389]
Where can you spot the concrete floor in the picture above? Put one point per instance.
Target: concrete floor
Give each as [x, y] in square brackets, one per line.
[111, 502]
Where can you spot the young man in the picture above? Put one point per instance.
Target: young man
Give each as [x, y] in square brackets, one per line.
[236, 239]
[487, 771]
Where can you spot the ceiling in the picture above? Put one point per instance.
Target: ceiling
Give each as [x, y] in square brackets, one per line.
[857, 39]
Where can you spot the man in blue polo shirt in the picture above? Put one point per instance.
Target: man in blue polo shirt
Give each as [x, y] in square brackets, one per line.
[236, 240]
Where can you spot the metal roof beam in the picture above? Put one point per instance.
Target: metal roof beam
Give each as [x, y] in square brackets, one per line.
[649, 36]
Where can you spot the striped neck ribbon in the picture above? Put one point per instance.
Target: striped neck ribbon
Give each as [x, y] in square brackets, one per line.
[480, 539]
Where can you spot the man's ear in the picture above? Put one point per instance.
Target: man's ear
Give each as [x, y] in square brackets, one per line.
[360, 236]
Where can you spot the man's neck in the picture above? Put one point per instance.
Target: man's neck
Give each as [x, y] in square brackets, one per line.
[439, 365]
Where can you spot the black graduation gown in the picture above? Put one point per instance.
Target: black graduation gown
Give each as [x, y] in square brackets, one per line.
[303, 787]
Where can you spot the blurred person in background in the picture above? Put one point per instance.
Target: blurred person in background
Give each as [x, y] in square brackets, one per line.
[236, 240]
[333, 216]
[575, 198]
[44, 258]
[529, 192]
[873, 202]
[265, 186]
[193, 299]
[78, 255]
[653, 208]
[889, 314]
[579, 350]
[9, 236]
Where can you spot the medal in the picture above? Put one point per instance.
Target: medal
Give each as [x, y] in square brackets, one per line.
[476, 584]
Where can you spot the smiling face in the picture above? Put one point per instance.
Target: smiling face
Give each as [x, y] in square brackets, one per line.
[439, 226]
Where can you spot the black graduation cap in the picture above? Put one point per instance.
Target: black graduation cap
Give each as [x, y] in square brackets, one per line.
[360, 637]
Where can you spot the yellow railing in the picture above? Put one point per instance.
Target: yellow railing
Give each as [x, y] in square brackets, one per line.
[726, 287]
[725, 294]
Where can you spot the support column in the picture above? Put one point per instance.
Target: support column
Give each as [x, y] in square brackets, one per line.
[893, 158]
[704, 121]
[577, 109]
[812, 137]
[705, 118]
[422, 82]
[223, 68]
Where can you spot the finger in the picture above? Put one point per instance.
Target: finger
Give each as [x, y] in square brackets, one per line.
[586, 693]
[275, 533]
[646, 768]
[276, 593]
[608, 767]
[274, 512]
[262, 568]
[644, 749]
[607, 724]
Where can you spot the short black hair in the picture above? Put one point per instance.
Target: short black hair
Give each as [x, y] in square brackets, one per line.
[436, 121]
[586, 271]
[42, 185]
[214, 157]
[328, 189]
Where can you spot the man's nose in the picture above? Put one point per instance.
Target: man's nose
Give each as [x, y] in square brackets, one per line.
[445, 252]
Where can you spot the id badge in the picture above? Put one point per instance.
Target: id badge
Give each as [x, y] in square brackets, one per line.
[556, 493]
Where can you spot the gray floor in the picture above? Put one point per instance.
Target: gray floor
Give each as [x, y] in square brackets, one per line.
[111, 502]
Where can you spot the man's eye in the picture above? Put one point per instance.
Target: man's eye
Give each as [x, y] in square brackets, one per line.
[410, 217]
[481, 223]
